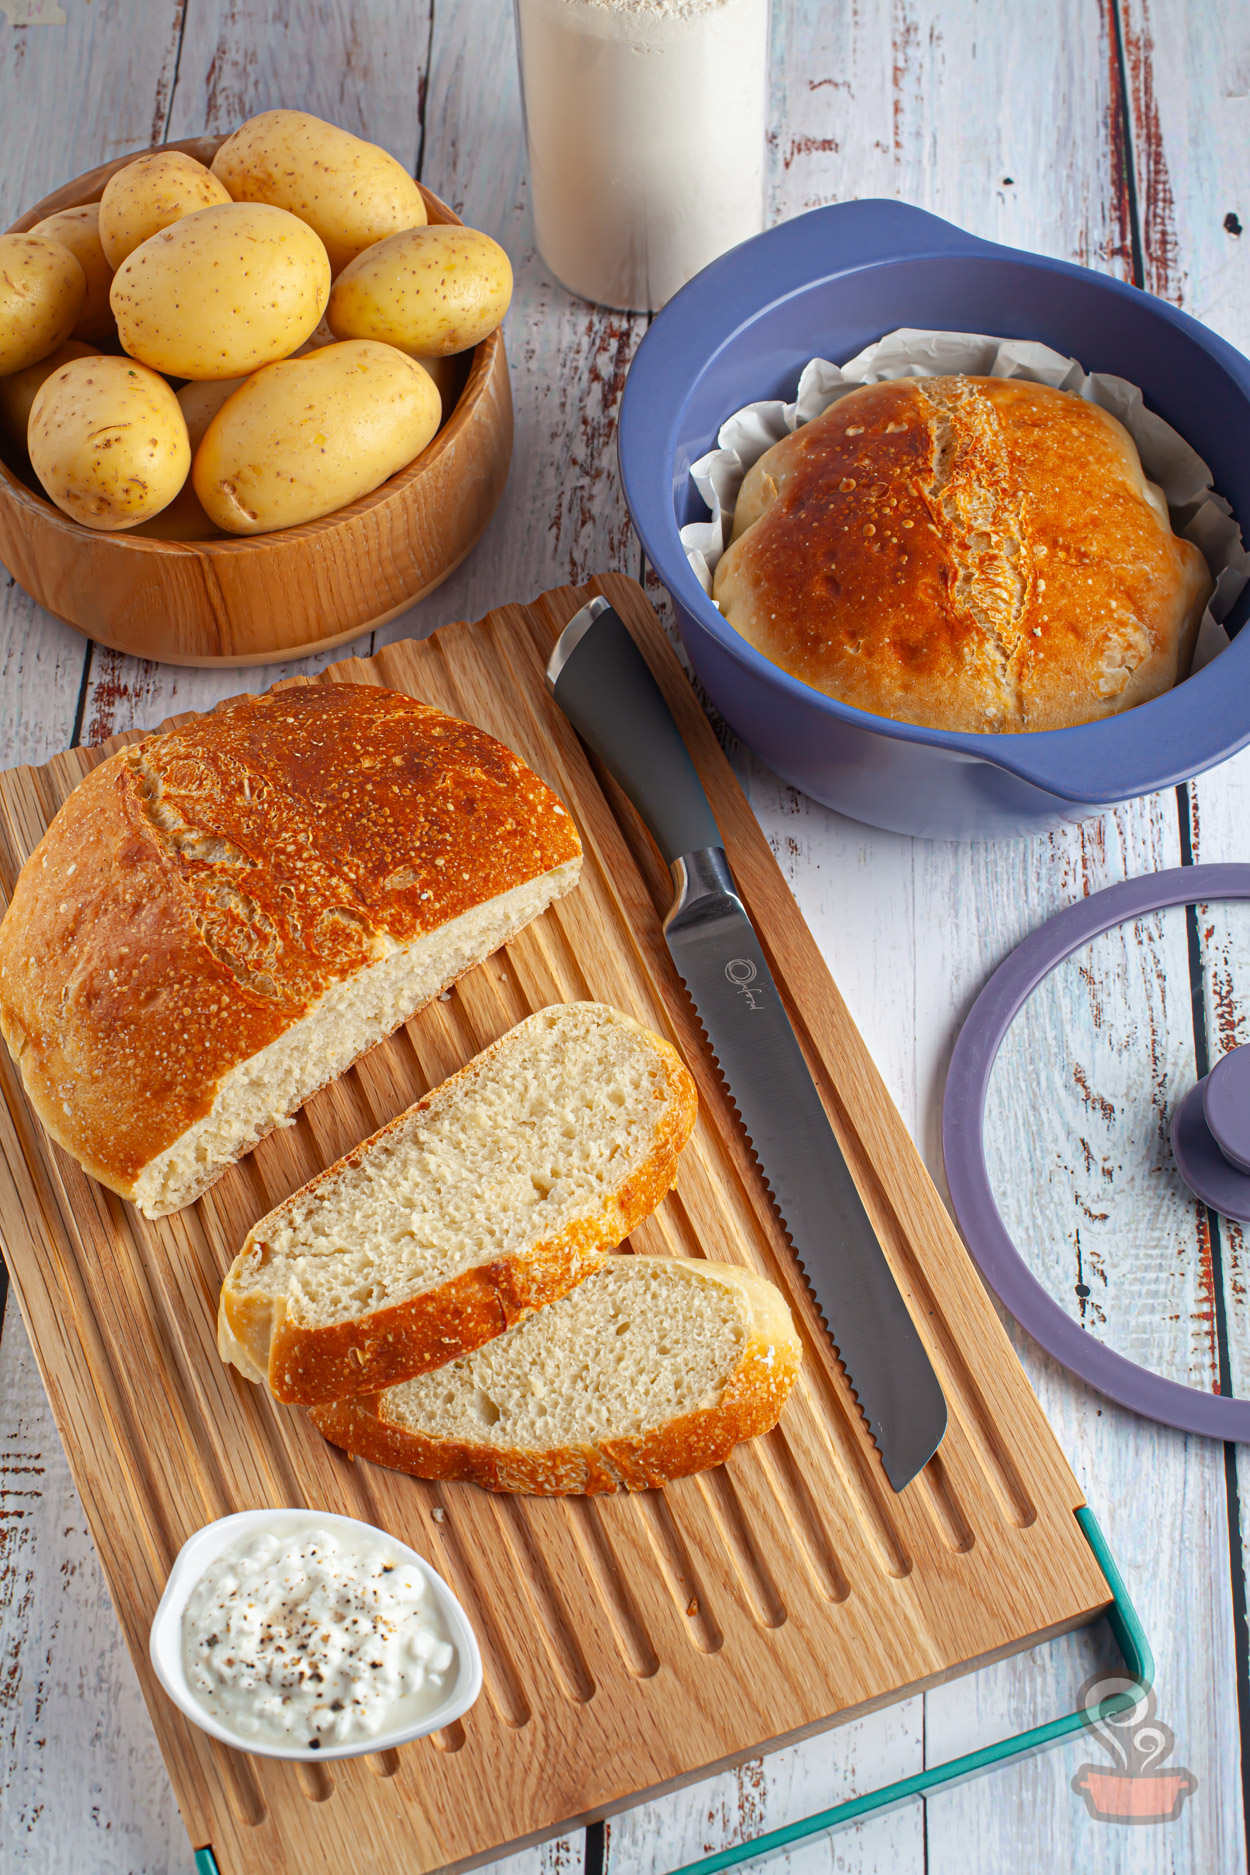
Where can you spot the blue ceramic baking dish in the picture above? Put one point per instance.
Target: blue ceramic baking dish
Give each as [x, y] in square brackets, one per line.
[825, 285]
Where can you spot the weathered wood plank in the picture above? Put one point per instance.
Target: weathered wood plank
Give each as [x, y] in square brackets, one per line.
[875, 922]
[81, 1779]
[912, 929]
[1101, 1055]
[1189, 94]
[41, 674]
[1219, 815]
[86, 90]
[784, 1787]
[1161, 1501]
[1219, 806]
[361, 66]
[969, 921]
[71, 1705]
[1005, 124]
[82, 1784]
[232, 64]
[1187, 1612]
[116, 60]
[563, 516]
[897, 1624]
[1190, 134]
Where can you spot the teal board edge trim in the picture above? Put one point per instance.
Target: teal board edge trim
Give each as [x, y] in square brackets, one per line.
[1131, 1639]
[1138, 1660]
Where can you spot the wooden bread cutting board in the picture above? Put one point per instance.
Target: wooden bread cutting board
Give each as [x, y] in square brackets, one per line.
[630, 1644]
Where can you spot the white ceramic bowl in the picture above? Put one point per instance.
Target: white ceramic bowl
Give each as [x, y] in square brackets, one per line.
[199, 1552]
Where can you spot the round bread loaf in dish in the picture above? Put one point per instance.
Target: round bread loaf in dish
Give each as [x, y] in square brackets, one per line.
[967, 553]
[220, 919]
[494, 1195]
[654, 1367]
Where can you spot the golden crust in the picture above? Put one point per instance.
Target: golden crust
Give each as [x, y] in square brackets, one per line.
[968, 553]
[750, 1404]
[200, 890]
[304, 1364]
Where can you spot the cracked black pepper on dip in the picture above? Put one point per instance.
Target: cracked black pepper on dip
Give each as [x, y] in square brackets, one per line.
[307, 1639]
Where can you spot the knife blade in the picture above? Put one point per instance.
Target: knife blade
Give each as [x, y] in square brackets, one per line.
[603, 684]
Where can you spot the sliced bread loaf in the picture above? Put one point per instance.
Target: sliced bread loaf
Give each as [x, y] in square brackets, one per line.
[221, 918]
[492, 1196]
[651, 1368]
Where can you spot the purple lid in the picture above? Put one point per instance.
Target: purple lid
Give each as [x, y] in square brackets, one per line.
[967, 1175]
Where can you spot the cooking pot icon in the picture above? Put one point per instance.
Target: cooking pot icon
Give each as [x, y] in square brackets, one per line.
[1137, 1789]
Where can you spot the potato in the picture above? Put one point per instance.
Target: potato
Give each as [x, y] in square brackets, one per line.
[17, 391]
[431, 291]
[42, 289]
[152, 193]
[307, 436]
[199, 404]
[184, 518]
[351, 192]
[221, 292]
[78, 229]
[315, 340]
[108, 441]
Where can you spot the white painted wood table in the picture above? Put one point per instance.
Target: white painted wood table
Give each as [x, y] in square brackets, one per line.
[1111, 132]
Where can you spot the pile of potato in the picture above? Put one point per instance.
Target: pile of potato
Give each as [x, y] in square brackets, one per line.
[241, 348]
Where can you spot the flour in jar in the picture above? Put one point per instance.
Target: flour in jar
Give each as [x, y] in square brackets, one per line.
[645, 124]
[302, 1637]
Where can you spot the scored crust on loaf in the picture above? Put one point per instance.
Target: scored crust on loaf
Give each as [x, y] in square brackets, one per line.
[493, 1196]
[222, 917]
[654, 1367]
[967, 553]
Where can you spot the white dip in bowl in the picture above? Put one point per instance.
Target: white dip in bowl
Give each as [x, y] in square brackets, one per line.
[298, 1635]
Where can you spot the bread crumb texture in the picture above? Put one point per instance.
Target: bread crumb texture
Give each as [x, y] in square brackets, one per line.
[492, 1196]
[967, 553]
[220, 918]
[651, 1368]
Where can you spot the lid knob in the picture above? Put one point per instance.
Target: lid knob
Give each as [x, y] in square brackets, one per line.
[1211, 1137]
[1226, 1106]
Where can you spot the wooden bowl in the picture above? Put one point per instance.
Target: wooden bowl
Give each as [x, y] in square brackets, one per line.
[269, 596]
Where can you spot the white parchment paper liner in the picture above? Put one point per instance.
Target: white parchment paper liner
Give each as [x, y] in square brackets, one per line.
[1198, 513]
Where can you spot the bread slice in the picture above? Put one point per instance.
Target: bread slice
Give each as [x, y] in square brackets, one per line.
[492, 1196]
[221, 918]
[651, 1368]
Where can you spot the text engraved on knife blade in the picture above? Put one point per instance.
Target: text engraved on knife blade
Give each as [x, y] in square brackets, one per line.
[742, 974]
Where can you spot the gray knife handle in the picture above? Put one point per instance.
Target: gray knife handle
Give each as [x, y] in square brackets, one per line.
[603, 684]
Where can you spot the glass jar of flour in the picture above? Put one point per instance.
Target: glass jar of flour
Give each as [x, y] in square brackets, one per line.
[645, 125]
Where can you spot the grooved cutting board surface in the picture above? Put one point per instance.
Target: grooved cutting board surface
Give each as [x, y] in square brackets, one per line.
[629, 1643]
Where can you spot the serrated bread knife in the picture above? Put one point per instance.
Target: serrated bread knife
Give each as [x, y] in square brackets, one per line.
[602, 683]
